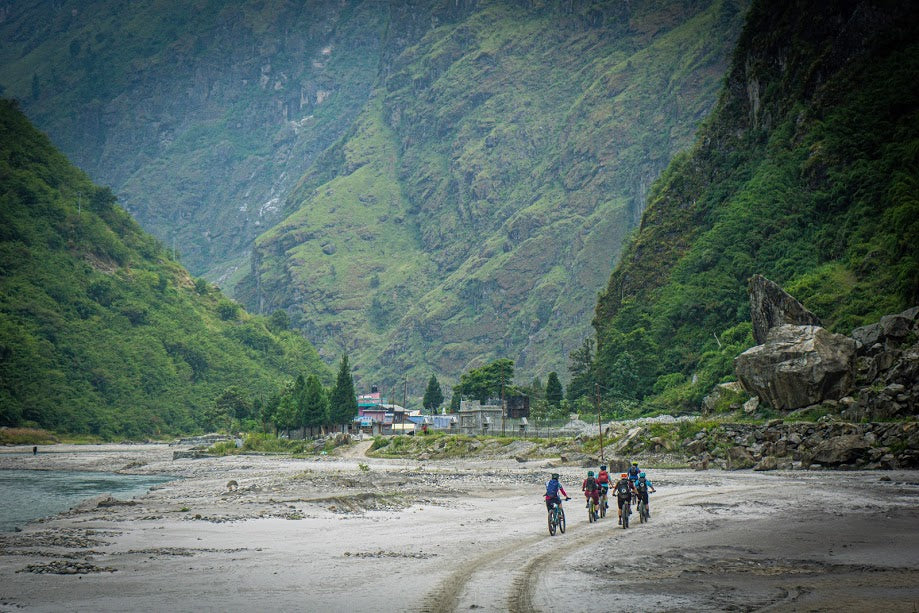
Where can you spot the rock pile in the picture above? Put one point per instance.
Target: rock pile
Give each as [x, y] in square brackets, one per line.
[780, 445]
[887, 367]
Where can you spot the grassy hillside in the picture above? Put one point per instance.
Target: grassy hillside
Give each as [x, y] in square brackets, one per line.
[479, 202]
[101, 331]
[807, 172]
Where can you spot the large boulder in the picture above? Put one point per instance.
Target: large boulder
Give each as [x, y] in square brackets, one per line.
[798, 366]
[843, 449]
[771, 306]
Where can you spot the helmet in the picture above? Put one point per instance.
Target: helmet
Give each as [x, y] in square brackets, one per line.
[555, 475]
[624, 476]
[634, 462]
[641, 474]
[603, 467]
[590, 473]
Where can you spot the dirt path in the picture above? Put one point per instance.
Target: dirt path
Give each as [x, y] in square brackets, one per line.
[358, 450]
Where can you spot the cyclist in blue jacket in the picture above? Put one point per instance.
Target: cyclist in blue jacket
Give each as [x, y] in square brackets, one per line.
[553, 487]
[643, 486]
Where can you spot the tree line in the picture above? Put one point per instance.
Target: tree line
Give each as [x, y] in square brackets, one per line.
[303, 404]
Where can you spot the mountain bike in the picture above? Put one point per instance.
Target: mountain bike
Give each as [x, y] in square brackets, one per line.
[626, 511]
[592, 515]
[603, 503]
[557, 519]
[643, 514]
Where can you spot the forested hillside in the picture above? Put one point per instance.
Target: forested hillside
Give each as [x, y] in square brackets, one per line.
[101, 330]
[464, 173]
[477, 205]
[807, 172]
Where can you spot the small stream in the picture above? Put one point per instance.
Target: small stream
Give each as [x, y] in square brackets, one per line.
[30, 494]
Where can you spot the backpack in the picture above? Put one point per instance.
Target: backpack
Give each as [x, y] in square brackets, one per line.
[641, 485]
[591, 484]
[552, 488]
[603, 477]
[622, 488]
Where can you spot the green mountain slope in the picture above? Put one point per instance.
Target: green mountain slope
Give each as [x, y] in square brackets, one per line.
[807, 172]
[199, 116]
[479, 202]
[101, 331]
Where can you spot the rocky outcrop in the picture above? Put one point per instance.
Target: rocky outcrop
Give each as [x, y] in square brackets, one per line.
[780, 445]
[771, 306]
[798, 366]
[887, 368]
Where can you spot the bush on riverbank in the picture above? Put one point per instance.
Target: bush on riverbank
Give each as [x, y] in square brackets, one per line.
[258, 442]
[26, 436]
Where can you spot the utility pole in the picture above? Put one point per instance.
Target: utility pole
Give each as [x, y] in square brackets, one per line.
[599, 421]
[404, 401]
[503, 406]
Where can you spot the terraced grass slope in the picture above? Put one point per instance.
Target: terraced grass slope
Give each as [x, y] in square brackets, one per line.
[480, 200]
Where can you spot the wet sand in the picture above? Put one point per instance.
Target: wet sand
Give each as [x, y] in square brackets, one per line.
[327, 534]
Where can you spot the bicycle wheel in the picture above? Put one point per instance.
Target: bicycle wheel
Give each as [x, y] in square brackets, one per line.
[603, 507]
[625, 515]
[591, 512]
[641, 511]
[552, 522]
[561, 520]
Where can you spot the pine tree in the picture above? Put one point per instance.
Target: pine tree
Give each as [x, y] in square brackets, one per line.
[343, 401]
[554, 393]
[315, 403]
[433, 396]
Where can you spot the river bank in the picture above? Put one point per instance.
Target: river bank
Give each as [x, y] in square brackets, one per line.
[355, 533]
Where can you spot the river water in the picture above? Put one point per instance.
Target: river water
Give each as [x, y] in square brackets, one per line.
[30, 494]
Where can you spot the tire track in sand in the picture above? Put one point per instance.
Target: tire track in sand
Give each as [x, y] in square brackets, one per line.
[515, 569]
[525, 583]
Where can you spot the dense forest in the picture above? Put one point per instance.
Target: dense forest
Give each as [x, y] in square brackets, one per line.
[807, 172]
[102, 332]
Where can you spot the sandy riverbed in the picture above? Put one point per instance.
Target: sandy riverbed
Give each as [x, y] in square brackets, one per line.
[325, 535]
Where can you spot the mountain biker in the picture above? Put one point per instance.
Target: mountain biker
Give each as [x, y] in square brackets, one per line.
[643, 486]
[634, 471]
[553, 487]
[603, 482]
[591, 489]
[624, 491]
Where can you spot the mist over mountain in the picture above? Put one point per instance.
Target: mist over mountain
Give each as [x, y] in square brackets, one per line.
[429, 185]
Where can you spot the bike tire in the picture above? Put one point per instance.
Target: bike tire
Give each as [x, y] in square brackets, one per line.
[591, 512]
[551, 523]
[602, 507]
[561, 520]
[641, 512]
[626, 511]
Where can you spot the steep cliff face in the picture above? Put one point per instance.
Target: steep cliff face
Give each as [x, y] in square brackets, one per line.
[201, 118]
[478, 203]
[805, 173]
